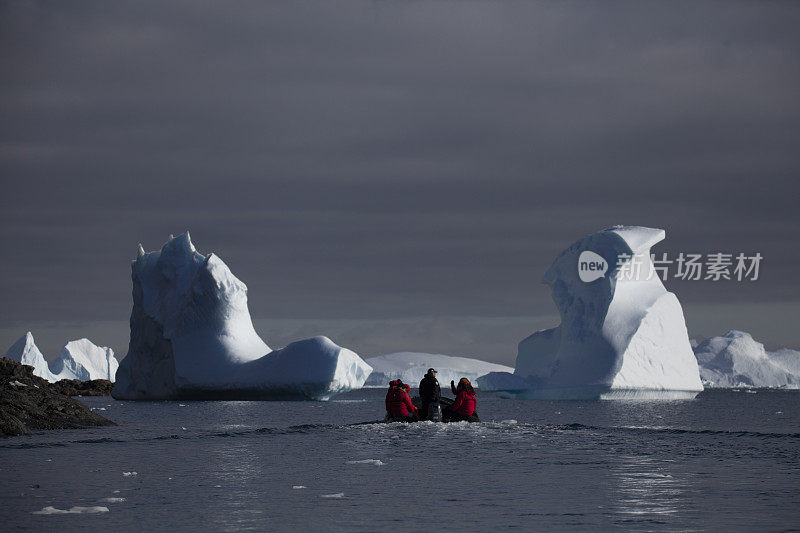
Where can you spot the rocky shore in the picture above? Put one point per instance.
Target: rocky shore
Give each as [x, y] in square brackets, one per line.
[76, 387]
[28, 402]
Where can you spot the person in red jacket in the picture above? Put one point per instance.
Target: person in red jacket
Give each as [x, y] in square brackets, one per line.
[398, 403]
[465, 405]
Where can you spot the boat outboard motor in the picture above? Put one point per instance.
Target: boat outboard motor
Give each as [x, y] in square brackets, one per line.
[435, 412]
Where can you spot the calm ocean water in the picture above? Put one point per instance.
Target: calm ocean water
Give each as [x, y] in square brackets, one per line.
[725, 461]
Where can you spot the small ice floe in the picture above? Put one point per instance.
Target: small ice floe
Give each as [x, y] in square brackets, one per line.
[116, 492]
[72, 510]
[375, 462]
[778, 412]
[113, 500]
[129, 474]
[16, 383]
[333, 496]
[181, 405]
[183, 428]
[509, 422]
[298, 487]
[748, 391]
[97, 408]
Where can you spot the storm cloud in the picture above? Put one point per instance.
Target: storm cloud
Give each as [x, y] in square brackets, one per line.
[393, 159]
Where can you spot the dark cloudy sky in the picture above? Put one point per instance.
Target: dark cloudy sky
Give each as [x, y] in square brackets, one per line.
[384, 159]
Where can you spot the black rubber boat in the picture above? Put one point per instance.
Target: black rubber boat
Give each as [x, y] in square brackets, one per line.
[437, 412]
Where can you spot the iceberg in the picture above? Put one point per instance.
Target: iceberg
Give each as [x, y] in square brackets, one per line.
[503, 381]
[622, 334]
[736, 360]
[412, 366]
[26, 352]
[83, 360]
[192, 337]
[80, 359]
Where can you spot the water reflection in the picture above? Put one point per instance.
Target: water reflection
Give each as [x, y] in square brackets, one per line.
[648, 488]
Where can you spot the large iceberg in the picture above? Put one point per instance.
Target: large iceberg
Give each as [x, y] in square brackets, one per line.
[192, 337]
[80, 359]
[412, 366]
[622, 334]
[737, 360]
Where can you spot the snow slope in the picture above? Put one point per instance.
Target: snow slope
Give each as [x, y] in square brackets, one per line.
[737, 360]
[620, 331]
[80, 359]
[412, 366]
[192, 337]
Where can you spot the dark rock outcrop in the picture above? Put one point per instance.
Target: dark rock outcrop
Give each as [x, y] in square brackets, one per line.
[76, 387]
[28, 402]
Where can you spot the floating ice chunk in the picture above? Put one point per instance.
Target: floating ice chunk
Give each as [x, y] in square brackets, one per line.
[336, 495]
[16, 383]
[72, 510]
[113, 500]
[737, 360]
[129, 474]
[620, 332]
[502, 381]
[375, 462]
[298, 487]
[79, 359]
[25, 351]
[192, 337]
[412, 366]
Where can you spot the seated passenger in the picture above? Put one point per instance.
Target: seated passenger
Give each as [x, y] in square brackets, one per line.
[398, 403]
[465, 405]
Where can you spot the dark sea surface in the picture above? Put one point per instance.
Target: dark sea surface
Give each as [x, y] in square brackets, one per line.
[724, 461]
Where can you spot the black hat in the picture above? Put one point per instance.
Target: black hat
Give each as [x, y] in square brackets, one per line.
[431, 371]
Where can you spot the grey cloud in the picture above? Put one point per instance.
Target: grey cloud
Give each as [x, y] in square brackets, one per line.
[390, 158]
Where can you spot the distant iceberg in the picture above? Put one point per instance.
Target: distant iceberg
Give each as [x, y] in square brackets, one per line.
[80, 359]
[736, 360]
[412, 366]
[622, 334]
[192, 337]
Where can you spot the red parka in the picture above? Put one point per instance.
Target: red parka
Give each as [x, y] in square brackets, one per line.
[398, 402]
[465, 402]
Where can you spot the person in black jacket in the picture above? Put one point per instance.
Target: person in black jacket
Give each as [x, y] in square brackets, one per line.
[429, 392]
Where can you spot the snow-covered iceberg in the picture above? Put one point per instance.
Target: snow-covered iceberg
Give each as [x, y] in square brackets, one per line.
[412, 366]
[80, 359]
[26, 352]
[622, 334]
[192, 337]
[85, 361]
[737, 360]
